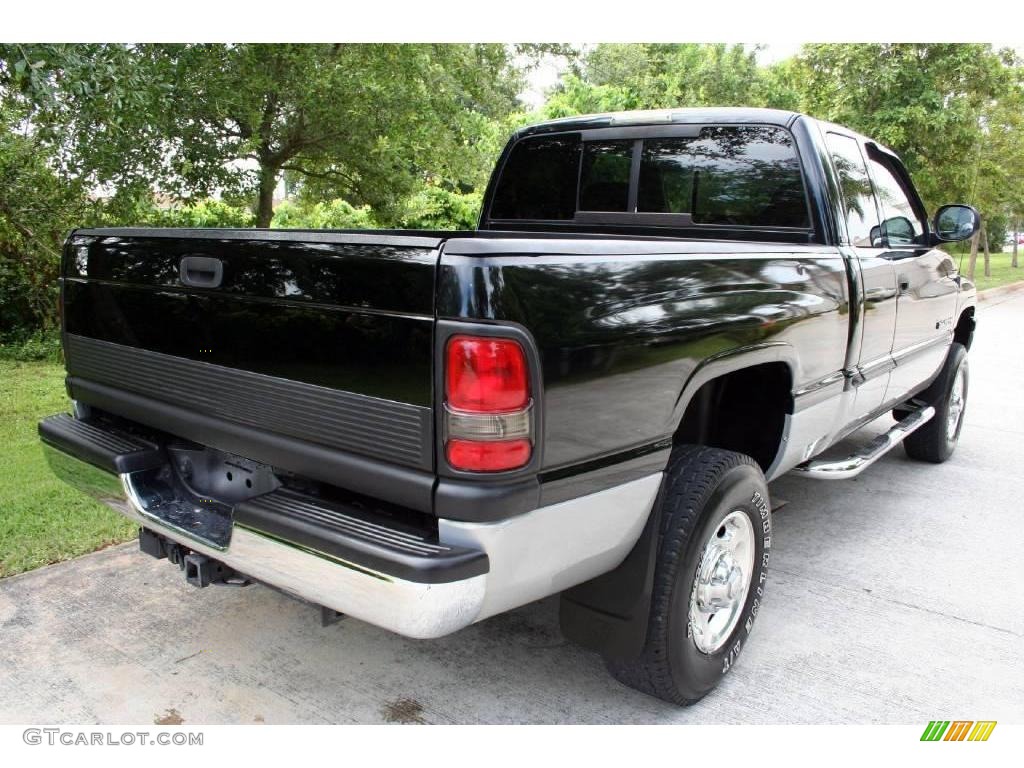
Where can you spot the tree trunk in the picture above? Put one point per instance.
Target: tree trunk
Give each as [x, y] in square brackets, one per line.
[1016, 237]
[984, 242]
[973, 260]
[265, 204]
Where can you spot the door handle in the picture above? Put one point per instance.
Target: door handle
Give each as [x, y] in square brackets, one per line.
[878, 294]
[201, 271]
[904, 285]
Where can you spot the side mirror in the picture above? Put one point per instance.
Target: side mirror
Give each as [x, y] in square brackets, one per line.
[956, 222]
[899, 230]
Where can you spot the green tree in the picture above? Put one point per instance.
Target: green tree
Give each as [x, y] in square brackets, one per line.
[37, 208]
[364, 122]
[333, 214]
[999, 181]
[434, 207]
[619, 76]
[925, 101]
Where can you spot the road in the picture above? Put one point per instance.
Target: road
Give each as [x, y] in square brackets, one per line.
[896, 597]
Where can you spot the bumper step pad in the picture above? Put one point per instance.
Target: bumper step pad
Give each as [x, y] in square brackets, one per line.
[358, 537]
[112, 451]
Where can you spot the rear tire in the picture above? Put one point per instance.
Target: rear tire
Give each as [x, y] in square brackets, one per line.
[712, 558]
[936, 440]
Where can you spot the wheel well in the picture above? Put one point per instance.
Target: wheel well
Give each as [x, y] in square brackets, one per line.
[743, 411]
[964, 333]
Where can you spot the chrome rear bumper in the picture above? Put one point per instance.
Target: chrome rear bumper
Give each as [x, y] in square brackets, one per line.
[408, 608]
[530, 556]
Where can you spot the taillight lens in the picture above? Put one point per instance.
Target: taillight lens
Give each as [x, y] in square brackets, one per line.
[486, 375]
[488, 456]
[488, 420]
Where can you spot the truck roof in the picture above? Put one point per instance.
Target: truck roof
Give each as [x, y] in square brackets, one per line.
[665, 117]
[684, 115]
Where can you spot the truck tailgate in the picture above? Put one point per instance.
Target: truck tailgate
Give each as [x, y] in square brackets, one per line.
[289, 345]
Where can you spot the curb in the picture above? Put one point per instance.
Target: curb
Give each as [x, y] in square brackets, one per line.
[1001, 291]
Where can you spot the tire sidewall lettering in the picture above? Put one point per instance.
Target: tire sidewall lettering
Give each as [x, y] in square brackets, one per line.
[762, 509]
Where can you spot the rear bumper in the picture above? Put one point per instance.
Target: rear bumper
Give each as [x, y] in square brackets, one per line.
[414, 609]
[527, 557]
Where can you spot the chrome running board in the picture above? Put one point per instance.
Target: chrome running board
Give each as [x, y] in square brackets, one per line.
[851, 466]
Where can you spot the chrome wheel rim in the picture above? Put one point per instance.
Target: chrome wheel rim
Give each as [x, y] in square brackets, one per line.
[957, 401]
[722, 582]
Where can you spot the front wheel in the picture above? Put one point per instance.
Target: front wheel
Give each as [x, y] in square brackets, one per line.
[937, 439]
[715, 526]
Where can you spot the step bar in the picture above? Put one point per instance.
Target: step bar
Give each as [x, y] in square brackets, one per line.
[853, 465]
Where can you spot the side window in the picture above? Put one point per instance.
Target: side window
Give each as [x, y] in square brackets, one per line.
[739, 175]
[604, 180]
[855, 186]
[900, 223]
[539, 179]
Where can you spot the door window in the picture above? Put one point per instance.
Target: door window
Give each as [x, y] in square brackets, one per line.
[855, 186]
[900, 222]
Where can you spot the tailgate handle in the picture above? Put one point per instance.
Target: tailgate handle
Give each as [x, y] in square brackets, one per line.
[201, 271]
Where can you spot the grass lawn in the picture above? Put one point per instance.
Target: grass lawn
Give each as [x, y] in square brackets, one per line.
[41, 519]
[1002, 272]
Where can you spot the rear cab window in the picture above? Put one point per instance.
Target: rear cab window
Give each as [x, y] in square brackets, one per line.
[604, 178]
[739, 176]
[538, 181]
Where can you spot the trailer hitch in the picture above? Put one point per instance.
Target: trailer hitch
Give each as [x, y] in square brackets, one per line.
[200, 570]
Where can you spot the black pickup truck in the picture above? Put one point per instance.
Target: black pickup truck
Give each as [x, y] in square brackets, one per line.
[659, 313]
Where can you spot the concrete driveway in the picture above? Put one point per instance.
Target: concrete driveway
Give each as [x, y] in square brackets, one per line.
[893, 598]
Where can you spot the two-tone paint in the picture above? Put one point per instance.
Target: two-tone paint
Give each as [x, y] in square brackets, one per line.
[623, 322]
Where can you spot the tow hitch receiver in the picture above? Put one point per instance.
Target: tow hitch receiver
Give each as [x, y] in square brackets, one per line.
[200, 570]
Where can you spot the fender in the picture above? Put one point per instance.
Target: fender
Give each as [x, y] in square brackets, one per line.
[610, 614]
[731, 361]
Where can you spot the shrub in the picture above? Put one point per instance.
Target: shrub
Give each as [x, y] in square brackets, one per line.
[27, 346]
[437, 208]
[334, 214]
[37, 208]
[144, 212]
[996, 230]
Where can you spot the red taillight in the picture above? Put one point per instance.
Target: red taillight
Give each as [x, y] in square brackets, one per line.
[488, 421]
[486, 375]
[488, 455]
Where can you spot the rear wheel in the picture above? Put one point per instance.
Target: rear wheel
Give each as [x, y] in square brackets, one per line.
[709, 577]
[936, 440]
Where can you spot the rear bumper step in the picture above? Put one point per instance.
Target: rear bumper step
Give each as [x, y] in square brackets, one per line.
[341, 532]
[104, 448]
[853, 465]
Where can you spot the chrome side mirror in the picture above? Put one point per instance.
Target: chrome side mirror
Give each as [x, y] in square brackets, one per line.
[956, 222]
